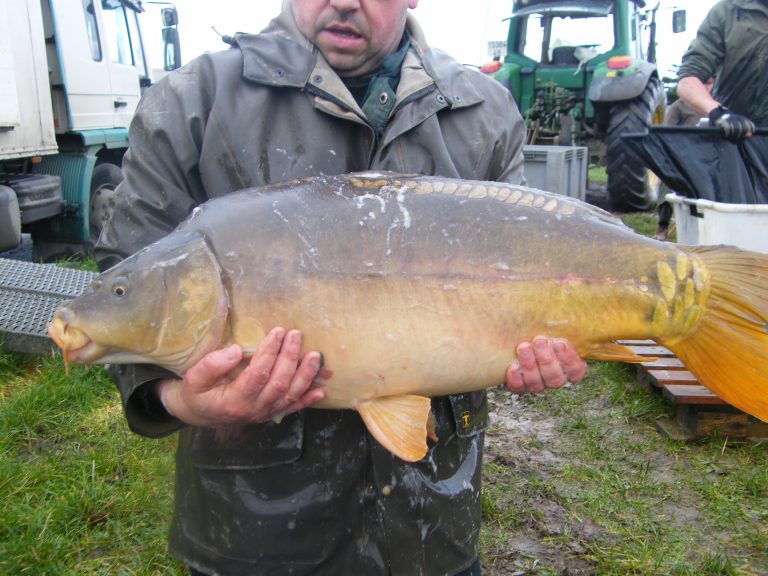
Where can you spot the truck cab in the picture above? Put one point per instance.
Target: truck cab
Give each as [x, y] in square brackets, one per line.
[74, 73]
[97, 62]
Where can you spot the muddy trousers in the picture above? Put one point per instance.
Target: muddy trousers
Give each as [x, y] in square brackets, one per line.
[473, 570]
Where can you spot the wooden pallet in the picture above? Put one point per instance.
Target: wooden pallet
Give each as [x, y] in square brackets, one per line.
[700, 413]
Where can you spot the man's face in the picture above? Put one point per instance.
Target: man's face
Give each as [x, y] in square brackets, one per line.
[353, 35]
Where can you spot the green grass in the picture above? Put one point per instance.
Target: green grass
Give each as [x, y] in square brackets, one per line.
[81, 494]
[79, 262]
[644, 223]
[597, 174]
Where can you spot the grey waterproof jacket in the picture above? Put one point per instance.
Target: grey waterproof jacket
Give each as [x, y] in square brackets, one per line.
[732, 45]
[313, 494]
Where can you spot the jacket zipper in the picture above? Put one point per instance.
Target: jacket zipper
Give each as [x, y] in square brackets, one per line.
[330, 97]
[376, 136]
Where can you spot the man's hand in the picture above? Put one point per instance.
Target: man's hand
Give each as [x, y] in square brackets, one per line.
[544, 364]
[274, 383]
[735, 126]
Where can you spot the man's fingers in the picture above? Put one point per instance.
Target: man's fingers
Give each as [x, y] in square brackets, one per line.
[515, 382]
[544, 363]
[259, 370]
[301, 394]
[277, 381]
[207, 373]
[286, 363]
[734, 126]
[298, 394]
[268, 377]
[529, 368]
[571, 363]
[551, 372]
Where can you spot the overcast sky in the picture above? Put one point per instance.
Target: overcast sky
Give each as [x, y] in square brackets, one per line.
[462, 28]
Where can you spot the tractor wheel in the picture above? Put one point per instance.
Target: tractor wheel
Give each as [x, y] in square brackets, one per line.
[631, 186]
[104, 181]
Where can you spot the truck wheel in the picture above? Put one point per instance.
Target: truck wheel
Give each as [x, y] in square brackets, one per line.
[632, 186]
[104, 181]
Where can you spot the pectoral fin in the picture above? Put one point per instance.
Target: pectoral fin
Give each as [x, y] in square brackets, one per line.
[399, 423]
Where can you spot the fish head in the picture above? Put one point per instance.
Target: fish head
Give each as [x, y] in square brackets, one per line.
[165, 305]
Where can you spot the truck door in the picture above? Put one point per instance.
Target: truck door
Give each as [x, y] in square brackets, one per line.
[127, 65]
[101, 63]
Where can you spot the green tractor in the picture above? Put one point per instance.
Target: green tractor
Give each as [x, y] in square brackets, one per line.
[581, 74]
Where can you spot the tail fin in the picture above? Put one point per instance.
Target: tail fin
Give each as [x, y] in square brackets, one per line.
[729, 351]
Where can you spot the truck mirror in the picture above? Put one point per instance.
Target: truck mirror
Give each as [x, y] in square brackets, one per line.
[171, 49]
[678, 21]
[170, 16]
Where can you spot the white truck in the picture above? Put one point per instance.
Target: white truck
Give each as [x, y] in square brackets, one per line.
[71, 75]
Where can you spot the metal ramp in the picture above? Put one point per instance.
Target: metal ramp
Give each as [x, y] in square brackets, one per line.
[29, 294]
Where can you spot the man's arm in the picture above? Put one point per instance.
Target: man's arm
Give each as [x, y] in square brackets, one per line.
[702, 60]
[507, 161]
[696, 95]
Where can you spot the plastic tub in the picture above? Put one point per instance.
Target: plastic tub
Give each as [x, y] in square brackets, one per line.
[704, 222]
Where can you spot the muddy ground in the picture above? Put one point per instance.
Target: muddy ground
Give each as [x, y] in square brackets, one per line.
[539, 501]
[524, 439]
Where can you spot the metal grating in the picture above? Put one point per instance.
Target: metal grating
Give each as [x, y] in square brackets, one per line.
[29, 294]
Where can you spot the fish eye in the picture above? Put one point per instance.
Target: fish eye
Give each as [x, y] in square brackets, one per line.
[120, 287]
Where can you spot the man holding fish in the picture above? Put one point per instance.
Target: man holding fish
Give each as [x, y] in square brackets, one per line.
[263, 486]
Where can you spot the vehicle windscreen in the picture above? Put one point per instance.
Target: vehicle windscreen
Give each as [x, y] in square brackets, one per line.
[566, 40]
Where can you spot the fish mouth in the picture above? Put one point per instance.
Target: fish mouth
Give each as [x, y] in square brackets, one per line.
[76, 346]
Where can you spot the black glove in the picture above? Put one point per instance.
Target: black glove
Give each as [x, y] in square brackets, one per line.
[735, 126]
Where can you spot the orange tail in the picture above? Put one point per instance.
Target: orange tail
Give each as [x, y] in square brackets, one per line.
[728, 353]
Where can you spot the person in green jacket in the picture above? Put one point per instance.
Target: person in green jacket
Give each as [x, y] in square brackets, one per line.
[329, 87]
[679, 113]
[732, 45]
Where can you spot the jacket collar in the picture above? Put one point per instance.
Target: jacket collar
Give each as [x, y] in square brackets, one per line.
[282, 56]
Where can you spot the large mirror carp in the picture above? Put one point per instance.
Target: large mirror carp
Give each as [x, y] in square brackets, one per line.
[413, 287]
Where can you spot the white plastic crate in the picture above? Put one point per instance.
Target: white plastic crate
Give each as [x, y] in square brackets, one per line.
[559, 169]
[704, 222]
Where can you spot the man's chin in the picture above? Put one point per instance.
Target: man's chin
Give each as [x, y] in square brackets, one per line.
[348, 66]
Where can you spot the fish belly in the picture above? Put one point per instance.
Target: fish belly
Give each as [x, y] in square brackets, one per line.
[436, 336]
